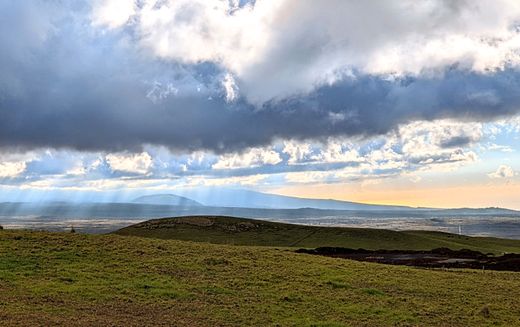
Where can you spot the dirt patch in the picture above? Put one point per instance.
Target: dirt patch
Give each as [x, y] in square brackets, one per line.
[239, 227]
[172, 223]
[196, 221]
[52, 311]
[436, 258]
[199, 221]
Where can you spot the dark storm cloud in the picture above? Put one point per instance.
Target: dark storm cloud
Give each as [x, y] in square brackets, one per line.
[107, 113]
[66, 87]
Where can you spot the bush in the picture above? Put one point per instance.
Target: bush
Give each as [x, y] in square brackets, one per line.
[485, 311]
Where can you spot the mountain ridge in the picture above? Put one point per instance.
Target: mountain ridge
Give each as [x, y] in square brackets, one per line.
[241, 198]
[167, 199]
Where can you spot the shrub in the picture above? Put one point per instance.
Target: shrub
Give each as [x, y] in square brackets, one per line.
[485, 311]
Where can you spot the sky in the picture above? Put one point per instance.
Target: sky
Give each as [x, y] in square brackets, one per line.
[395, 102]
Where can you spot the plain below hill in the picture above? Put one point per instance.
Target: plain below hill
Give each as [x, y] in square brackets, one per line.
[240, 231]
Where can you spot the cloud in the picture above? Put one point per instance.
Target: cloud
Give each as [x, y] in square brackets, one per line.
[253, 158]
[112, 13]
[337, 151]
[415, 148]
[158, 92]
[252, 180]
[230, 87]
[503, 171]
[497, 147]
[11, 169]
[203, 76]
[130, 163]
[297, 151]
[305, 45]
[424, 140]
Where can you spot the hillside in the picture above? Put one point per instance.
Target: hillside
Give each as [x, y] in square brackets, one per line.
[240, 231]
[99, 280]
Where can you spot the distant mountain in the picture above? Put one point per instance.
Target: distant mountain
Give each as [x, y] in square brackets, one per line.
[239, 198]
[167, 199]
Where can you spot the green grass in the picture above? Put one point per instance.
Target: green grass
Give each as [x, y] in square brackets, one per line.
[239, 231]
[71, 279]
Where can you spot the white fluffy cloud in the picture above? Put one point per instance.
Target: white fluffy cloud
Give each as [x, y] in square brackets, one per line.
[11, 169]
[253, 158]
[279, 48]
[334, 150]
[112, 13]
[416, 145]
[337, 151]
[422, 136]
[230, 87]
[503, 171]
[132, 163]
[439, 142]
[297, 151]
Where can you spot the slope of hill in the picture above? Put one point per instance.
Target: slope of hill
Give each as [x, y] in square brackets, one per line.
[239, 231]
[241, 198]
[167, 199]
[63, 279]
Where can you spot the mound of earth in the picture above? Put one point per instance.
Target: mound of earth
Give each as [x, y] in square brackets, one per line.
[214, 222]
[436, 258]
[243, 231]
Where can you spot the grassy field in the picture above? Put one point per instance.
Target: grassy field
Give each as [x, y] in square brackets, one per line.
[239, 231]
[98, 280]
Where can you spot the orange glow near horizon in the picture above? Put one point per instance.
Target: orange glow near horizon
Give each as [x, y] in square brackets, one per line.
[477, 196]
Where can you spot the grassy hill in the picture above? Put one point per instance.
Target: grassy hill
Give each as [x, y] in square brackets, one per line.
[98, 280]
[239, 231]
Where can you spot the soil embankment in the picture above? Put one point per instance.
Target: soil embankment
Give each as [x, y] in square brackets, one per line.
[436, 258]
